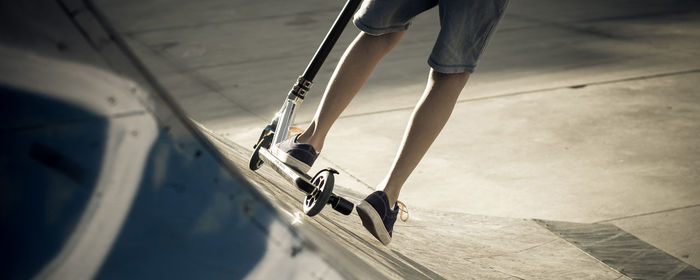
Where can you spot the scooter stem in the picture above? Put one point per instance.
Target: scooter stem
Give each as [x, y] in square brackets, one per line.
[331, 38]
[285, 117]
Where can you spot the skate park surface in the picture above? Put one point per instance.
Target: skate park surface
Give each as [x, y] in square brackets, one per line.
[571, 154]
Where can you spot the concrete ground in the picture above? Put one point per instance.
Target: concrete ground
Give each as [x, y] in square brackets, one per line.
[580, 111]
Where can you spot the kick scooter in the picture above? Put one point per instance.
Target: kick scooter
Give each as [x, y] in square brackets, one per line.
[319, 188]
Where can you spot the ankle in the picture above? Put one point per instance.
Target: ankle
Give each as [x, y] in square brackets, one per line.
[311, 139]
[391, 196]
[392, 202]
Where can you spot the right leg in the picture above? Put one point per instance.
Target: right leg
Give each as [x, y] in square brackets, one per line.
[352, 72]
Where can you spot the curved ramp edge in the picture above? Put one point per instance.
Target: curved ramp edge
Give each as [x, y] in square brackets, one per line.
[103, 178]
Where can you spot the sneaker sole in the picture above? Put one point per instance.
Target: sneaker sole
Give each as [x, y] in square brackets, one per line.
[373, 222]
[289, 160]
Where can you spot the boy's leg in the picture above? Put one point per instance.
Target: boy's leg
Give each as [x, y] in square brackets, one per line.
[378, 210]
[465, 29]
[353, 70]
[428, 119]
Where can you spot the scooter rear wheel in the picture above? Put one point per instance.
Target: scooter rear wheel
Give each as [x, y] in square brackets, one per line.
[318, 198]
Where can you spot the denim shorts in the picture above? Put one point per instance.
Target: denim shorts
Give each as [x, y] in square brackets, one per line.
[465, 27]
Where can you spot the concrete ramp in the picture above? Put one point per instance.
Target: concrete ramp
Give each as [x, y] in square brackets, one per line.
[444, 245]
[102, 175]
[432, 244]
[95, 185]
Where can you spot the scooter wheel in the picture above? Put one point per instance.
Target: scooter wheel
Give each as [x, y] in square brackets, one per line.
[255, 160]
[323, 183]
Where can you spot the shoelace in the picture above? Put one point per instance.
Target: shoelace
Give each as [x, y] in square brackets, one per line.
[402, 210]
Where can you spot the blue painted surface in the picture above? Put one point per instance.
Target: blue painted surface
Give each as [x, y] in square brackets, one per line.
[190, 222]
[50, 156]
[190, 219]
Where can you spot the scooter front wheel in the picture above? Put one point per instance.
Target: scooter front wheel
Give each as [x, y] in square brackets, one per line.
[255, 160]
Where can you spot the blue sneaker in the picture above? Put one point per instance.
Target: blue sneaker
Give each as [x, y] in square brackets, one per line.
[377, 217]
[296, 155]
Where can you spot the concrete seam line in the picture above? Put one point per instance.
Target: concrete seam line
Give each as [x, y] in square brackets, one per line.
[647, 214]
[575, 86]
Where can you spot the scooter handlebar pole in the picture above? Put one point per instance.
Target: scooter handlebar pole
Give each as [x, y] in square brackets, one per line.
[331, 38]
[285, 117]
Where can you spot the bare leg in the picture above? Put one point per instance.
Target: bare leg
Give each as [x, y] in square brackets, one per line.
[428, 119]
[352, 72]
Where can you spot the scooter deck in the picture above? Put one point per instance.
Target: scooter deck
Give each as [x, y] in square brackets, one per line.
[300, 179]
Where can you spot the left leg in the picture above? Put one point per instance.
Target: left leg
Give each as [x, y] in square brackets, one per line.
[428, 118]
[459, 45]
[465, 29]
[378, 211]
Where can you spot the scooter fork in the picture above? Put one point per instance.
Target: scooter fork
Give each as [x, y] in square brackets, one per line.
[285, 117]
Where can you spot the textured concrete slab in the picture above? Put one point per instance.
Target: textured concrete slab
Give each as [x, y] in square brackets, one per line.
[674, 230]
[623, 251]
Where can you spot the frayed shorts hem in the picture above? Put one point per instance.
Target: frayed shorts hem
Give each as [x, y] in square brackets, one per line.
[378, 31]
[451, 69]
